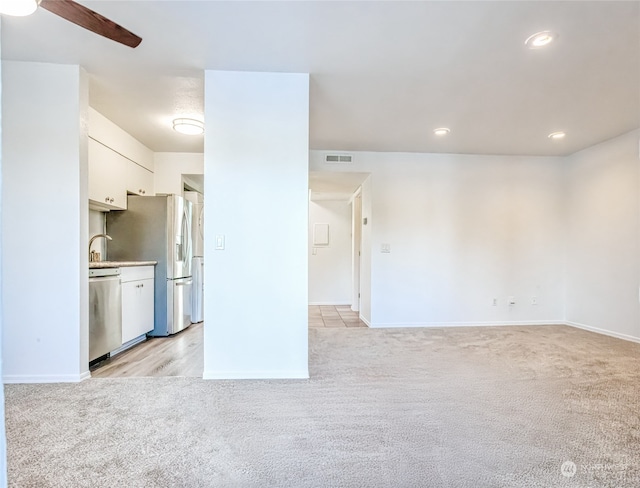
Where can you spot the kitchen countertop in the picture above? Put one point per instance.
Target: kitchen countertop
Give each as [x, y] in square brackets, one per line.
[120, 264]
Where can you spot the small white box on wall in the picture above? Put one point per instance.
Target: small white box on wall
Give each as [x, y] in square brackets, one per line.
[320, 234]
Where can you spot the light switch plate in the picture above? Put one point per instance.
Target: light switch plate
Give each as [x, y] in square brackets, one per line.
[219, 242]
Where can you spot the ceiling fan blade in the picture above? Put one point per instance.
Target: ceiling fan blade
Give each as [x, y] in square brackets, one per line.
[90, 20]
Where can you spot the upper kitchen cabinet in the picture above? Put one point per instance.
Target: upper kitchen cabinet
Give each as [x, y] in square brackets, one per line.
[139, 180]
[107, 170]
[118, 165]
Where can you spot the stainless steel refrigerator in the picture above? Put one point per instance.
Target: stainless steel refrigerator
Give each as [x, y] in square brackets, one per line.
[158, 229]
[197, 266]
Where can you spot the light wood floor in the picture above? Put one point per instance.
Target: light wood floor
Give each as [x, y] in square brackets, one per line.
[178, 355]
[182, 354]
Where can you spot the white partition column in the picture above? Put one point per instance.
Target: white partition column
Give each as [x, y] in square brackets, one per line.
[256, 183]
[44, 223]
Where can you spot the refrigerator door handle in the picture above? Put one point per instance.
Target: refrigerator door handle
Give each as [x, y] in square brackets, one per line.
[186, 239]
[184, 283]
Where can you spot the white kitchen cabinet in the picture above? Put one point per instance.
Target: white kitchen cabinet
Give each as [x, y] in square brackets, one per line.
[139, 180]
[137, 301]
[107, 173]
[103, 130]
[118, 165]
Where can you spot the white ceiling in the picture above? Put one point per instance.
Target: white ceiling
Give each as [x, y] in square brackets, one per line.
[383, 74]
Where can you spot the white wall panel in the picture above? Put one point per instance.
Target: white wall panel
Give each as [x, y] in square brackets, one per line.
[461, 230]
[256, 185]
[44, 222]
[603, 230]
[330, 264]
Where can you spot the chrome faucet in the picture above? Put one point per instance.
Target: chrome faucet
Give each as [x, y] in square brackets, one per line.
[95, 256]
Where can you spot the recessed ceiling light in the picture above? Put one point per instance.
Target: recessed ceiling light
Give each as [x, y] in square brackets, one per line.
[190, 127]
[540, 39]
[556, 135]
[442, 131]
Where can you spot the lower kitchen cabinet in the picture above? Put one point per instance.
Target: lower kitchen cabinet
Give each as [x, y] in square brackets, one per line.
[137, 301]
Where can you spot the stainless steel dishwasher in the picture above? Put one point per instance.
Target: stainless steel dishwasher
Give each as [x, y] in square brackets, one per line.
[105, 311]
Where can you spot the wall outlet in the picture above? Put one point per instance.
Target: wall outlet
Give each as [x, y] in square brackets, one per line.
[512, 300]
[386, 248]
[534, 300]
[494, 302]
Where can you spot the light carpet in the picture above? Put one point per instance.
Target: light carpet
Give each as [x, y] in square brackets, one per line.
[547, 406]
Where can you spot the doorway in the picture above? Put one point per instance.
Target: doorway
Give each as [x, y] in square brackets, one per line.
[335, 242]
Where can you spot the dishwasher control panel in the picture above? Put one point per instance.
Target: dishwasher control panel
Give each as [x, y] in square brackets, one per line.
[102, 272]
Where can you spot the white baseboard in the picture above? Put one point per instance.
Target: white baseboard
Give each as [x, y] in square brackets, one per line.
[464, 324]
[256, 375]
[364, 320]
[62, 378]
[597, 330]
[334, 304]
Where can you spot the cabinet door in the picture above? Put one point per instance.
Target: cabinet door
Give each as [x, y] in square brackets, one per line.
[139, 180]
[137, 308]
[107, 171]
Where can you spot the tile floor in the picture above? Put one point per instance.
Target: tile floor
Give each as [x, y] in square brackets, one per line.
[333, 316]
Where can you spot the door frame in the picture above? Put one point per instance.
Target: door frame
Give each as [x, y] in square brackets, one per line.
[356, 248]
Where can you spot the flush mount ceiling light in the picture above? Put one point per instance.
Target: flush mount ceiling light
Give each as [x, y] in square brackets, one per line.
[540, 39]
[190, 127]
[556, 135]
[18, 8]
[441, 131]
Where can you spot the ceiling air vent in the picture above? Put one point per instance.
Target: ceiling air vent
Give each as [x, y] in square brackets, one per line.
[338, 158]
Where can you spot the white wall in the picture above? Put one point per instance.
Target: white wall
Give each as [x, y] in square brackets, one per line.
[603, 229]
[45, 222]
[256, 184]
[365, 258]
[463, 230]
[330, 266]
[3, 438]
[169, 168]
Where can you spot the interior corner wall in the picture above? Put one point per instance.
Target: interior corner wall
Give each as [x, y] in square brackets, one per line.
[44, 223]
[83, 225]
[3, 437]
[365, 254]
[256, 184]
[603, 237]
[330, 265]
[169, 168]
[462, 230]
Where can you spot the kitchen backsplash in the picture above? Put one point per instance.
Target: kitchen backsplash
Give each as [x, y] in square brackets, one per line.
[97, 225]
